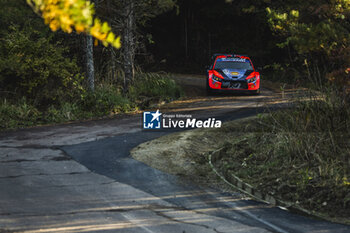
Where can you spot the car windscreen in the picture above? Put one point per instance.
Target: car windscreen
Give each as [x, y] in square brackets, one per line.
[239, 64]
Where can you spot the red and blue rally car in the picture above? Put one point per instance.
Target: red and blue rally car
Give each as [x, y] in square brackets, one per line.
[234, 73]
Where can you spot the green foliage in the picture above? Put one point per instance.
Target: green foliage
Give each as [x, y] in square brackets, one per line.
[154, 87]
[17, 115]
[106, 100]
[33, 67]
[17, 12]
[308, 35]
[66, 111]
[317, 30]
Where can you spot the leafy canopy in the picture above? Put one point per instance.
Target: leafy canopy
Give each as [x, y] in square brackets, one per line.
[313, 26]
[77, 15]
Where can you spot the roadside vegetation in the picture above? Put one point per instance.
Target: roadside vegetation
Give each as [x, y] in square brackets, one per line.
[299, 155]
[43, 75]
[106, 100]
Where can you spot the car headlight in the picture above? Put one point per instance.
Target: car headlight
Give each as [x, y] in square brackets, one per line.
[252, 80]
[217, 78]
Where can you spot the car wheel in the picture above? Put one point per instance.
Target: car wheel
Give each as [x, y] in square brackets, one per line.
[257, 92]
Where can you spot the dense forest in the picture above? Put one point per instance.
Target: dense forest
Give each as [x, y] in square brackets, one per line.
[278, 35]
[48, 64]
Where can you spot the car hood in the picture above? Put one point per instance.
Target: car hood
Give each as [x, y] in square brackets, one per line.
[234, 73]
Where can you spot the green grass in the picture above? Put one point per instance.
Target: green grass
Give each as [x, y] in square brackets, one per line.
[300, 154]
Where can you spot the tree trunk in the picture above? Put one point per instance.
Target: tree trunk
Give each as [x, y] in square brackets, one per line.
[209, 45]
[90, 71]
[112, 52]
[128, 43]
[113, 66]
[186, 38]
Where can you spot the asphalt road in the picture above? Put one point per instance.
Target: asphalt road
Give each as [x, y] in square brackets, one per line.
[105, 190]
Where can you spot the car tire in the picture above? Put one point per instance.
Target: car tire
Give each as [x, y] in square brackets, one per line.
[257, 92]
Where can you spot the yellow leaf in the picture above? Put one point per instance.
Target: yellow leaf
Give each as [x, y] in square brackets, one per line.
[105, 27]
[77, 14]
[110, 37]
[117, 43]
[54, 25]
[79, 28]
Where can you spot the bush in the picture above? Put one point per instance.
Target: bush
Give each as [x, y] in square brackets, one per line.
[67, 111]
[154, 87]
[35, 68]
[18, 115]
[105, 100]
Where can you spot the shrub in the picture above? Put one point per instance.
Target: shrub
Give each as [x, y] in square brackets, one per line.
[105, 100]
[17, 115]
[66, 111]
[154, 87]
[35, 68]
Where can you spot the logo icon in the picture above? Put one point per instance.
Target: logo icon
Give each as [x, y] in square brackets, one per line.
[152, 120]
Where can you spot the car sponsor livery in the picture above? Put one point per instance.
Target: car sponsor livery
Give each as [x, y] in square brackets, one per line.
[233, 59]
[230, 72]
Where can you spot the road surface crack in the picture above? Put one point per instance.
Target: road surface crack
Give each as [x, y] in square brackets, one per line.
[161, 214]
[43, 174]
[19, 161]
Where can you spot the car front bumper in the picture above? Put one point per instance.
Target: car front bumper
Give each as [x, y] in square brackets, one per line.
[234, 85]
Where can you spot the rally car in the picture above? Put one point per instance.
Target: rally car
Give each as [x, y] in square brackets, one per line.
[231, 72]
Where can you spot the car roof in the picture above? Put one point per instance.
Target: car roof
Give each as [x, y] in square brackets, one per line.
[229, 55]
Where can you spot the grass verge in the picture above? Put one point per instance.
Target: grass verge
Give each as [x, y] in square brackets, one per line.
[299, 155]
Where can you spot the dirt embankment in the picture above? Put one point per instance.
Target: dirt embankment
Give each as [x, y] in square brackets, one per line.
[182, 154]
[185, 154]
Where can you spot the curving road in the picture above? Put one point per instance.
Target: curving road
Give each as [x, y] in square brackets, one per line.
[80, 178]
